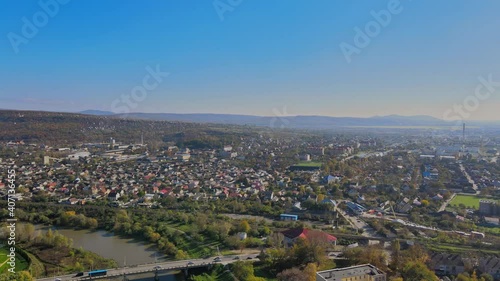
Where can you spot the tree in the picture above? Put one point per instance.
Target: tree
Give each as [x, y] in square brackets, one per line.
[242, 270]
[310, 272]
[244, 226]
[415, 253]
[487, 277]
[18, 276]
[181, 255]
[276, 240]
[417, 271]
[473, 277]
[203, 277]
[371, 254]
[92, 223]
[29, 231]
[462, 277]
[292, 274]
[396, 256]
[306, 251]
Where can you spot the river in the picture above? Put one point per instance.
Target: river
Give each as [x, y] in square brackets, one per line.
[124, 251]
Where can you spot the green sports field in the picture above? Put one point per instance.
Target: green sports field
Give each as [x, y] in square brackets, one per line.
[309, 164]
[470, 201]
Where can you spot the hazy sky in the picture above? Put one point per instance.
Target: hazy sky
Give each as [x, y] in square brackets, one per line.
[259, 57]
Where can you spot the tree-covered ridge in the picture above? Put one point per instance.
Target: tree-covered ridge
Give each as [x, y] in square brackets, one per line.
[53, 128]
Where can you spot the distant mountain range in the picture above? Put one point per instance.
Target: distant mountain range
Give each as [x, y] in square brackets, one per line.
[300, 121]
[97, 112]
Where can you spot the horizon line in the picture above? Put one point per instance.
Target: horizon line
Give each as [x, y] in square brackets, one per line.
[248, 115]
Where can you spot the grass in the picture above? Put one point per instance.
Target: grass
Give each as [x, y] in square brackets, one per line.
[470, 201]
[21, 263]
[309, 164]
[3, 259]
[459, 249]
[194, 249]
[491, 230]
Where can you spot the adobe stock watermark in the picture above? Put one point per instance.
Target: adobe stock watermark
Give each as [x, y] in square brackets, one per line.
[11, 221]
[363, 37]
[223, 6]
[279, 117]
[150, 82]
[31, 27]
[483, 91]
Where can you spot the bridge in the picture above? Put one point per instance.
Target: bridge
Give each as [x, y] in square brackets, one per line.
[156, 267]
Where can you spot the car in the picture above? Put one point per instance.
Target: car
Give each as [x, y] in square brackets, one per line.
[217, 259]
[190, 263]
[157, 267]
[249, 258]
[236, 258]
[79, 274]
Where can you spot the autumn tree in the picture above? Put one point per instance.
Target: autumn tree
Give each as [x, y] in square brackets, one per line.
[244, 226]
[374, 255]
[417, 271]
[310, 272]
[292, 274]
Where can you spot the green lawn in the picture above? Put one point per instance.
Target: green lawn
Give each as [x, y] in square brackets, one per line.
[467, 200]
[21, 263]
[3, 258]
[309, 164]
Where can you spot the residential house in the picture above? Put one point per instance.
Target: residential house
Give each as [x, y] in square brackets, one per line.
[365, 272]
[113, 196]
[447, 264]
[291, 235]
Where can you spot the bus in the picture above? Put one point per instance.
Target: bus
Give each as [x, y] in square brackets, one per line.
[98, 273]
[287, 217]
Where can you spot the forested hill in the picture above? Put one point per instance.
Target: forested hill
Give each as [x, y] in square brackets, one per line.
[53, 128]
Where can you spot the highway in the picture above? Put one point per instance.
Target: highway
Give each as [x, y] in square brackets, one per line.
[160, 266]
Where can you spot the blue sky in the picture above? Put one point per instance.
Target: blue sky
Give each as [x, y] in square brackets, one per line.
[262, 57]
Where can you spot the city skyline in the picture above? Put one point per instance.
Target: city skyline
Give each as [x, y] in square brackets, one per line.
[261, 58]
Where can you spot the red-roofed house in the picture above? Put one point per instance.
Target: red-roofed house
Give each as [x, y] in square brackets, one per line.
[292, 235]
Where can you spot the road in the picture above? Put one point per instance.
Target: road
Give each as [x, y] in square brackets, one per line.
[161, 266]
[471, 181]
[445, 203]
[404, 222]
[358, 223]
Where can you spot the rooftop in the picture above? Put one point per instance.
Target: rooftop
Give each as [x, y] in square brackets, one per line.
[338, 273]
